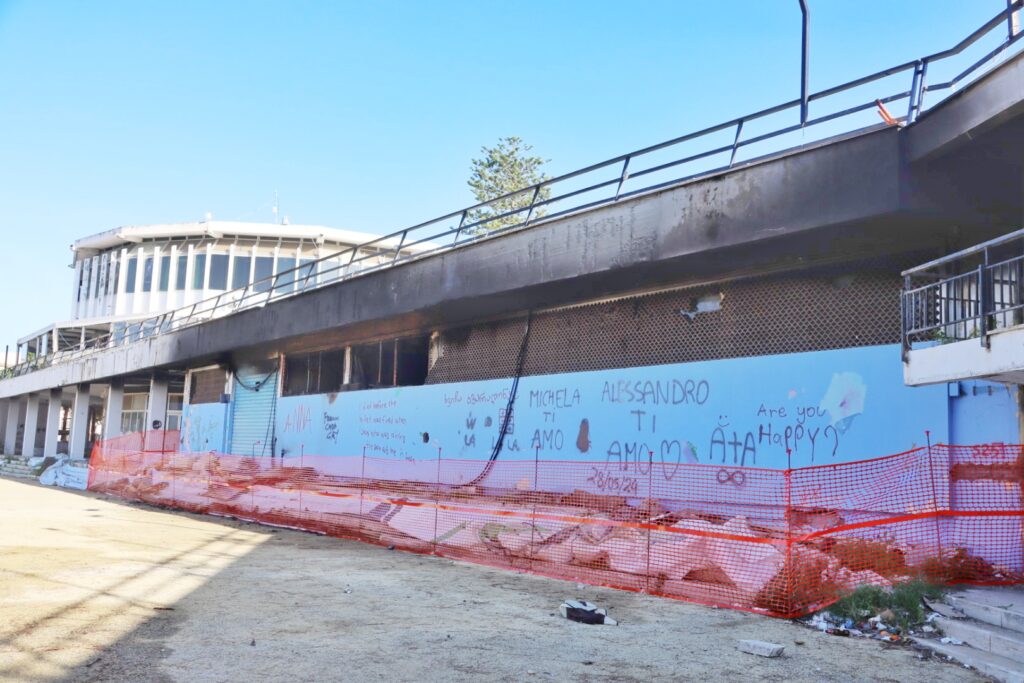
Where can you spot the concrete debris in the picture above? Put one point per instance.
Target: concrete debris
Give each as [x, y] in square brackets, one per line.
[585, 613]
[761, 648]
[951, 641]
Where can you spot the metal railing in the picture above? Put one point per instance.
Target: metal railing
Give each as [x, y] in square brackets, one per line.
[966, 295]
[698, 154]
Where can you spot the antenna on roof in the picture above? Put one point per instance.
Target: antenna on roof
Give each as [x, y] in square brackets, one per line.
[276, 208]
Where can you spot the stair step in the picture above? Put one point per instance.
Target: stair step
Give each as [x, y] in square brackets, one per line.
[995, 639]
[1000, 668]
[1003, 607]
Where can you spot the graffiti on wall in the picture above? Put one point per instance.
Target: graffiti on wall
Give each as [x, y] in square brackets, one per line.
[801, 409]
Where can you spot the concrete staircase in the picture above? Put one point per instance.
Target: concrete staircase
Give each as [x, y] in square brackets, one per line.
[15, 466]
[990, 623]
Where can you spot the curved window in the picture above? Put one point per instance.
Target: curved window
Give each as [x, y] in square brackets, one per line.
[133, 266]
[264, 269]
[199, 271]
[219, 271]
[240, 276]
[147, 275]
[179, 277]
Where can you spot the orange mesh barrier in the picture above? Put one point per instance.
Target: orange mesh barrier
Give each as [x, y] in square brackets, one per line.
[779, 542]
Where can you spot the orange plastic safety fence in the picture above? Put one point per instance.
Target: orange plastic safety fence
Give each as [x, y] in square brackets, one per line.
[779, 542]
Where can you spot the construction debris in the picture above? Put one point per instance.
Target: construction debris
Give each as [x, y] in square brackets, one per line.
[761, 648]
[585, 613]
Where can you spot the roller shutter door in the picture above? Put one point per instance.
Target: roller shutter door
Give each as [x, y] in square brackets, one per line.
[253, 405]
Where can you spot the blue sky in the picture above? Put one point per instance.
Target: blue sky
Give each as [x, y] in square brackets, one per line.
[365, 115]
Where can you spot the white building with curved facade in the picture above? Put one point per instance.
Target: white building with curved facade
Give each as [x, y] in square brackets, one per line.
[129, 274]
[130, 280]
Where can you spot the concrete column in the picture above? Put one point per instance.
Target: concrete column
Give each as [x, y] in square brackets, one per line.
[28, 438]
[4, 408]
[52, 423]
[79, 422]
[157, 411]
[112, 411]
[11, 428]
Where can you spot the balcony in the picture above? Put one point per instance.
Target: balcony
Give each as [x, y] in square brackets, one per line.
[963, 316]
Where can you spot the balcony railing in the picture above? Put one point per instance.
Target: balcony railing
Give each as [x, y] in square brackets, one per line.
[966, 295]
[837, 110]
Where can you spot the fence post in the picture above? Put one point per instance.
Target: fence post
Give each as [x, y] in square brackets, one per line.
[935, 496]
[533, 496]
[301, 477]
[362, 487]
[790, 598]
[650, 500]
[437, 499]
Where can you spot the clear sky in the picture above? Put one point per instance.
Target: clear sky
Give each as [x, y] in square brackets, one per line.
[365, 115]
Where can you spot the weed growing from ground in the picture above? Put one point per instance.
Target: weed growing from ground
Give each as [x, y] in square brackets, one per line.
[904, 600]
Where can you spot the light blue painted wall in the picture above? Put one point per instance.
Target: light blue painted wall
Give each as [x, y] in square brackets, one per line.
[983, 412]
[204, 427]
[828, 406]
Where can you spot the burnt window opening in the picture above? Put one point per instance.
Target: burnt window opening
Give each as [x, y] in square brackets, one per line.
[319, 372]
[206, 386]
[390, 363]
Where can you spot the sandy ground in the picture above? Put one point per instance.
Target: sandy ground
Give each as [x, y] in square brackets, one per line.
[93, 589]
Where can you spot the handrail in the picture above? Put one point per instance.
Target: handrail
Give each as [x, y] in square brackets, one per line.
[963, 253]
[533, 204]
[969, 294]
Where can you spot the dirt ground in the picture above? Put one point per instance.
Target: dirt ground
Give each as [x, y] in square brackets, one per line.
[94, 589]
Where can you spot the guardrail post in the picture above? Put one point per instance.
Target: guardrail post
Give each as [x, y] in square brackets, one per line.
[904, 320]
[458, 231]
[983, 304]
[623, 177]
[921, 90]
[736, 142]
[398, 249]
[912, 98]
[533, 200]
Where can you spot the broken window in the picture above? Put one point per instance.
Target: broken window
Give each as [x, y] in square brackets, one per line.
[319, 372]
[206, 386]
[392, 362]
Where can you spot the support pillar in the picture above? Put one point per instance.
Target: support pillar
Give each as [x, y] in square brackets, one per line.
[156, 416]
[112, 411]
[52, 423]
[28, 438]
[11, 428]
[79, 422]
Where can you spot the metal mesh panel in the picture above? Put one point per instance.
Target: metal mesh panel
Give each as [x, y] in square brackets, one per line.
[765, 316]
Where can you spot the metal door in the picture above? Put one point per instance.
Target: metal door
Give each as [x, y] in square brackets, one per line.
[253, 407]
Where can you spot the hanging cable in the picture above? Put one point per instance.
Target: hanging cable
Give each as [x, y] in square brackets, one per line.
[500, 443]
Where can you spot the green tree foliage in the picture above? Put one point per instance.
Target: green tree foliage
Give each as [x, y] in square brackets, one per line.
[505, 168]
